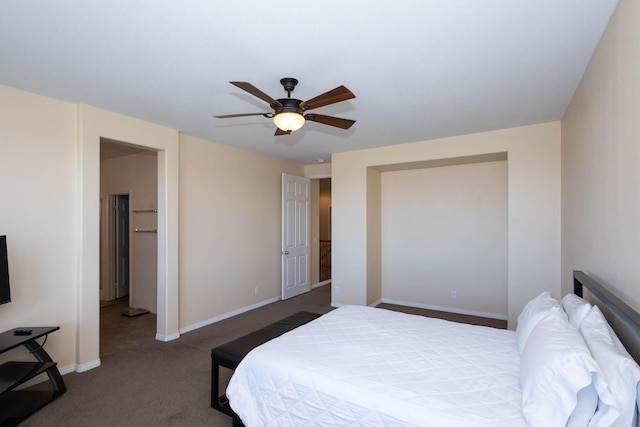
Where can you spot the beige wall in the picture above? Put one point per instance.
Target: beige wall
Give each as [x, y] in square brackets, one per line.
[601, 163]
[51, 158]
[317, 171]
[231, 205]
[373, 221]
[38, 186]
[445, 229]
[230, 222]
[533, 208]
[135, 175]
[93, 125]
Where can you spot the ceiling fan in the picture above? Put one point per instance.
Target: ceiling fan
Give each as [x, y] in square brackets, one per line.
[288, 112]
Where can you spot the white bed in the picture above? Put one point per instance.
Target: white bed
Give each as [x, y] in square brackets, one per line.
[326, 373]
[362, 366]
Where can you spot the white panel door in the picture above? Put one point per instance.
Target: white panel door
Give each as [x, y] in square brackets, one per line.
[295, 235]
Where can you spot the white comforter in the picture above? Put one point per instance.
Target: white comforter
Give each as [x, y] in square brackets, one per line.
[362, 366]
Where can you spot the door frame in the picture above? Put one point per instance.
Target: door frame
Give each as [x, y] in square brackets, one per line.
[94, 124]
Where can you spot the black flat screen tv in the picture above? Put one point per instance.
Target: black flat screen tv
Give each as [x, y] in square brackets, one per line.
[5, 294]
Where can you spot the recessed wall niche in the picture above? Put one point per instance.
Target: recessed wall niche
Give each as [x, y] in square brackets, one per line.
[443, 234]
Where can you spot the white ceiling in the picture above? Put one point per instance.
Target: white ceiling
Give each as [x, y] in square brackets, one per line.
[420, 69]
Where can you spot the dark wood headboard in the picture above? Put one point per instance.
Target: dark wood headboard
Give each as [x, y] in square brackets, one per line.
[624, 320]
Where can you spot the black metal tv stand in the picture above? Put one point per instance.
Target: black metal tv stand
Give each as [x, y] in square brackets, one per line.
[16, 405]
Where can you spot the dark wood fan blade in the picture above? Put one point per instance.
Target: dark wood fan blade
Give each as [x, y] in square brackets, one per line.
[228, 116]
[256, 92]
[341, 93]
[330, 120]
[281, 132]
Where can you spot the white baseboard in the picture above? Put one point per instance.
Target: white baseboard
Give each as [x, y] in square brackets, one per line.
[375, 303]
[63, 371]
[447, 309]
[337, 305]
[84, 367]
[226, 315]
[167, 338]
[317, 285]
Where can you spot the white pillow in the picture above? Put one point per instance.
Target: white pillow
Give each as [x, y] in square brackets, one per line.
[620, 371]
[576, 309]
[636, 418]
[532, 313]
[555, 367]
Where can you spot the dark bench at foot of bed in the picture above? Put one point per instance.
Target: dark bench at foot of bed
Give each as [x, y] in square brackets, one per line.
[230, 354]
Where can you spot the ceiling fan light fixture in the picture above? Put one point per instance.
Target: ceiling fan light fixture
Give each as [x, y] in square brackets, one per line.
[288, 112]
[288, 121]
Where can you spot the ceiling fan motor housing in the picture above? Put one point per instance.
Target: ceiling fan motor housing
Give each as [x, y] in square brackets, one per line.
[289, 105]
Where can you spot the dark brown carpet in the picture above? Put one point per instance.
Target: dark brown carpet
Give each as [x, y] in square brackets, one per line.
[118, 332]
[150, 383]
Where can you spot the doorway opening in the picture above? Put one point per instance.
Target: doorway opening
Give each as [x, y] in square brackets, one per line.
[129, 248]
[324, 230]
[320, 230]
